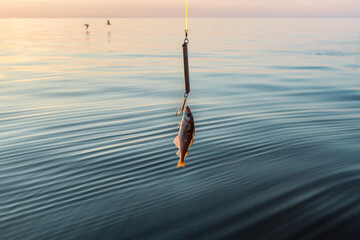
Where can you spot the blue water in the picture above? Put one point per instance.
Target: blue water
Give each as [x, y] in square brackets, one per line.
[87, 121]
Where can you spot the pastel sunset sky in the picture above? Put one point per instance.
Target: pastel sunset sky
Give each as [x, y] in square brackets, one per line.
[175, 8]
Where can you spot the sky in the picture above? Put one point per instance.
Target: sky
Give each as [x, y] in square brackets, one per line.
[176, 8]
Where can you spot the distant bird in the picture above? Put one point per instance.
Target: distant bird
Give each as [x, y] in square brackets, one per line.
[108, 22]
[87, 26]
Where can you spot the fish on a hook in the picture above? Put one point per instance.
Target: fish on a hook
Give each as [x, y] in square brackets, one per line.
[185, 138]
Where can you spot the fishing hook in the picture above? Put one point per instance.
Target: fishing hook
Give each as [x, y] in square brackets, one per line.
[181, 107]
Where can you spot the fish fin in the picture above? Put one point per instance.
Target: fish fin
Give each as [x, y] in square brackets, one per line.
[192, 140]
[186, 154]
[194, 133]
[181, 163]
[176, 141]
[178, 153]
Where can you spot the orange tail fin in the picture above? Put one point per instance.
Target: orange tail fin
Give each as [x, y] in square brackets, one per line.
[181, 163]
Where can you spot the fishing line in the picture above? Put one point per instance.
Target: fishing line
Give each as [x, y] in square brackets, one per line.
[186, 17]
[186, 64]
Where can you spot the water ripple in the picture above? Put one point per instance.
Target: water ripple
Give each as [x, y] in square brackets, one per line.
[86, 133]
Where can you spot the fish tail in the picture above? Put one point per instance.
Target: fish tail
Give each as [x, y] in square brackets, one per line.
[181, 163]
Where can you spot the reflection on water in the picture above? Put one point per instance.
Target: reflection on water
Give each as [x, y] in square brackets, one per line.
[86, 133]
[109, 38]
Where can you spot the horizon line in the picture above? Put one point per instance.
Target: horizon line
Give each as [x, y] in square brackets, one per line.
[191, 17]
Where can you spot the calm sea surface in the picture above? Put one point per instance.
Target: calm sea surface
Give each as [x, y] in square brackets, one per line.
[87, 121]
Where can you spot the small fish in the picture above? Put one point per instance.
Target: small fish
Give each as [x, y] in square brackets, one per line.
[185, 137]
